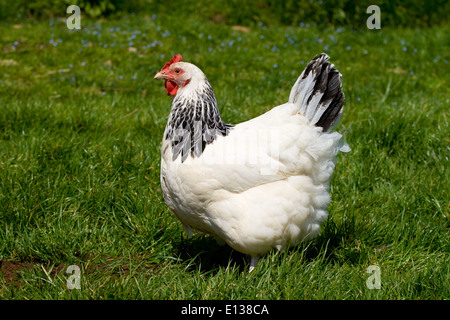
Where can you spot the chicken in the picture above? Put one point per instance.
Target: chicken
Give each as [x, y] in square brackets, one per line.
[260, 184]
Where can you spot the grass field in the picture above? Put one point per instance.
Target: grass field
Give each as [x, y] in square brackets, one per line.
[81, 123]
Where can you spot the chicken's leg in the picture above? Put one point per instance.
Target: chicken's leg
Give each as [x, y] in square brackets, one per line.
[253, 262]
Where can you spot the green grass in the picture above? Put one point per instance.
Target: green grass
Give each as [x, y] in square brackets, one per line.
[80, 128]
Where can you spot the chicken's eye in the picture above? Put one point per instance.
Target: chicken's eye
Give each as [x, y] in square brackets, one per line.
[177, 70]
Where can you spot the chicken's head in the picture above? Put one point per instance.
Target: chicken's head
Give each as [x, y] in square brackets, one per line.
[176, 74]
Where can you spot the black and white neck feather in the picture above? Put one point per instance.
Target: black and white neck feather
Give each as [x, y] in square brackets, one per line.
[194, 120]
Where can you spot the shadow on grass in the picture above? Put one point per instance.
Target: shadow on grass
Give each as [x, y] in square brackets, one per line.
[204, 254]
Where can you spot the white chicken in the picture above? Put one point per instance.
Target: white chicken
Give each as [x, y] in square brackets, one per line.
[260, 184]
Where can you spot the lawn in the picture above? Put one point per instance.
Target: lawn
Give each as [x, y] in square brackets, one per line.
[81, 124]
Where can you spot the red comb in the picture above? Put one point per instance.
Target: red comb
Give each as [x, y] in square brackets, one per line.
[175, 59]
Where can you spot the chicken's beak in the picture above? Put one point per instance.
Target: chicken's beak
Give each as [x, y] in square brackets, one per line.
[161, 75]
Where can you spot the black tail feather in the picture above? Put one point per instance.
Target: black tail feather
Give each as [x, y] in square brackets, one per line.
[324, 102]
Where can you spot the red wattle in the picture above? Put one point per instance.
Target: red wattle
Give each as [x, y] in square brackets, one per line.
[171, 88]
